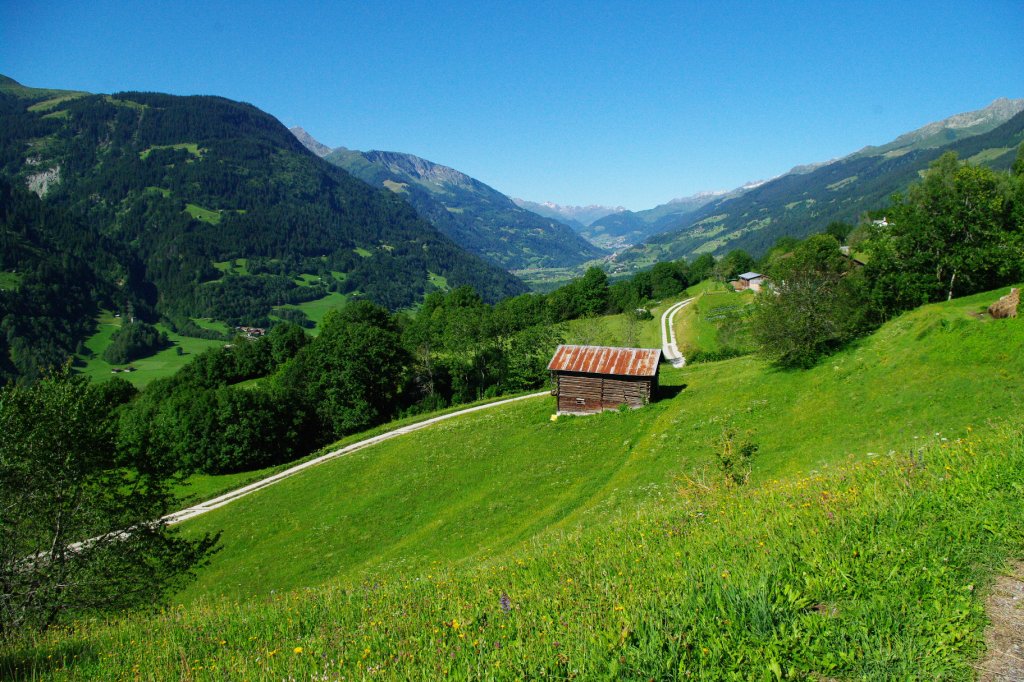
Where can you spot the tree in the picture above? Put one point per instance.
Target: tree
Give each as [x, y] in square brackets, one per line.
[62, 483]
[702, 267]
[815, 305]
[668, 279]
[735, 263]
[953, 234]
[839, 230]
[352, 371]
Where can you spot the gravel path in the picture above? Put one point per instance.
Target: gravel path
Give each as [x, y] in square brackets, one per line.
[668, 334]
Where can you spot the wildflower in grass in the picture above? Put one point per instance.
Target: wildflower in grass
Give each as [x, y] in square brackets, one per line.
[297, 650]
[506, 603]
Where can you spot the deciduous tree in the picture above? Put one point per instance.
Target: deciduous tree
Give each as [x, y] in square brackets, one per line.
[61, 483]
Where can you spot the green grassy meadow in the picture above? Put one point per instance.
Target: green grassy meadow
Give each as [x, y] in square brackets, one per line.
[238, 266]
[203, 214]
[697, 326]
[318, 308]
[504, 545]
[10, 281]
[385, 507]
[162, 364]
[618, 330]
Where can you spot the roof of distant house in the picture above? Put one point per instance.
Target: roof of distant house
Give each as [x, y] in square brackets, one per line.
[639, 362]
[751, 275]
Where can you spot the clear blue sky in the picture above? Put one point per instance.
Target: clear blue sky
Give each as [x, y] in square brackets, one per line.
[629, 103]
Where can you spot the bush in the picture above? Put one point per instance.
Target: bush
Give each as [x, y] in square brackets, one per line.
[133, 341]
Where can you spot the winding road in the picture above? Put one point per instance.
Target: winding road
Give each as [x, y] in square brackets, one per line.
[669, 350]
[668, 334]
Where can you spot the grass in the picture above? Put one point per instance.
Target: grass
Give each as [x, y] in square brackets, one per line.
[54, 102]
[504, 545]
[488, 481]
[874, 571]
[318, 308]
[440, 282]
[213, 325]
[162, 364]
[238, 266]
[698, 325]
[618, 330]
[10, 281]
[191, 147]
[203, 214]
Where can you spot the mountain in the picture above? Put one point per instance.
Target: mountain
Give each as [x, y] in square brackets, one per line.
[577, 217]
[476, 216]
[205, 207]
[310, 143]
[624, 228]
[950, 129]
[806, 199]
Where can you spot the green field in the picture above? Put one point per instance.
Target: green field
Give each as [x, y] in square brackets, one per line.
[316, 309]
[885, 494]
[386, 505]
[439, 281]
[307, 280]
[10, 281]
[213, 325]
[698, 325]
[191, 147]
[618, 330]
[203, 214]
[238, 266]
[161, 364]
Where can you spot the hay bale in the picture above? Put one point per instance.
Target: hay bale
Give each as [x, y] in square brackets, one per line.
[1006, 306]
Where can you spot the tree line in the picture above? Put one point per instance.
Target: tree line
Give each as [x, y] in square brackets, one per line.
[958, 231]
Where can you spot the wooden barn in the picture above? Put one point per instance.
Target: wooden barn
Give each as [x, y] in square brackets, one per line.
[589, 379]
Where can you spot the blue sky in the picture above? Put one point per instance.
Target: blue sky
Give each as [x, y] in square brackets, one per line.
[612, 103]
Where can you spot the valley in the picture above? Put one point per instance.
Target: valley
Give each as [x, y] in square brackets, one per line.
[272, 409]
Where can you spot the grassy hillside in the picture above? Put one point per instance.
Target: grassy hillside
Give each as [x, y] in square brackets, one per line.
[885, 493]
[161, 364]
[935, 370]
[703, 325]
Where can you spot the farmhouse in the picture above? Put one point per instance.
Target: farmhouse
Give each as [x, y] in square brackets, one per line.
[749, 280]
[589, 379]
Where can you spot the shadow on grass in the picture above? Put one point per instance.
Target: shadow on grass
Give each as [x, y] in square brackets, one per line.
[669, 392]
[35, 662]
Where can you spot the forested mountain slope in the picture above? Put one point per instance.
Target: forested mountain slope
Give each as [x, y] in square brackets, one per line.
[170, 189]
[799, 204]
[478, 217]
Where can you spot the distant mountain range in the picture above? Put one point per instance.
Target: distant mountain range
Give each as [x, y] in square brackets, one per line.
[804, 200]
[577, 217]
[476, 216]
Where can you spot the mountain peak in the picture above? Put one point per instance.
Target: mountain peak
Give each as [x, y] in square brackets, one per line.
[309, 142]
[955, 127]
[585, 215]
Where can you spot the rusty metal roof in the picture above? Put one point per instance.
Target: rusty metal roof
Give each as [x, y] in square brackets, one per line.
[636, 362]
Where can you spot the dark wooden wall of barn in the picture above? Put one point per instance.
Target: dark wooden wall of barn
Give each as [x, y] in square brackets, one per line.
[595, 392]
